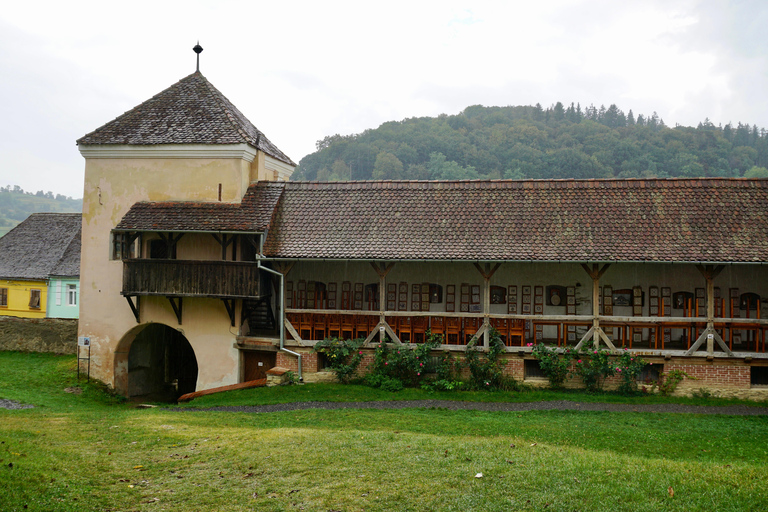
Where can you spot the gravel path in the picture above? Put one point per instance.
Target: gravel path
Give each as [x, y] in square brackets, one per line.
[11, 404]
[559, 405]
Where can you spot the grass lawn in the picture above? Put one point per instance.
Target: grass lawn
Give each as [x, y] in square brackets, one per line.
[94, 452]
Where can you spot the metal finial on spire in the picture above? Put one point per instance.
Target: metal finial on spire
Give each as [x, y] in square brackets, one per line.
[198, 50]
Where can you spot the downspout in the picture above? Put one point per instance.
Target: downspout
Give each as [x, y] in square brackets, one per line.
[282, 304]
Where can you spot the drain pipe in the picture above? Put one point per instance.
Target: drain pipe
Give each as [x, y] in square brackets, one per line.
[282, 314]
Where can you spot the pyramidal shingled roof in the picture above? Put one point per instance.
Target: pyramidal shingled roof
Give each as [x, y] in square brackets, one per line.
[191, 111]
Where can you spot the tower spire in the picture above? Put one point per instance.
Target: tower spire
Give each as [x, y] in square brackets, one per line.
[198, 50]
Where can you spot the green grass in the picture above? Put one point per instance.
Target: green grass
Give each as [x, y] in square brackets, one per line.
[95, 452]
[328, 392]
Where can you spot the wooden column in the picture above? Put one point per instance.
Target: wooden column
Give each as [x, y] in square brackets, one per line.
[382, 270]
[487, 272]
[710, 335]
[596, 332]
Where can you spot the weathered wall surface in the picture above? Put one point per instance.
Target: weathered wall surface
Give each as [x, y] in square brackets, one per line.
[54, 335]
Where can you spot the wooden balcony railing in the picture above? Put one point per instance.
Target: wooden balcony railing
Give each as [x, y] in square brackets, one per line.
[192, 278]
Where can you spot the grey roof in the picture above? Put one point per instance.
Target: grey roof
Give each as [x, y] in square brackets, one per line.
[44, 245]
[192, 111]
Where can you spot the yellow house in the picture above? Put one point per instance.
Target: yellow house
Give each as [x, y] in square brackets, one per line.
[31, 256]
[24, 299]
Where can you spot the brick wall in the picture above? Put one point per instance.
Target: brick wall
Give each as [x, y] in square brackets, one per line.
[54, 335]
[712, 374]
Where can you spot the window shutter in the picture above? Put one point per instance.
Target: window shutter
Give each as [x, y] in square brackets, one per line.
[58, 293]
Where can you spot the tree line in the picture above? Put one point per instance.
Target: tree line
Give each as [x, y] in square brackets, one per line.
[519, 142]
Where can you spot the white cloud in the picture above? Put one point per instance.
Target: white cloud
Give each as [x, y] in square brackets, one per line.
[304, 70]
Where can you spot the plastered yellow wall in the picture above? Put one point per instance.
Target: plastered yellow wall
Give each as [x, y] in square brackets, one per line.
[18, 298]
[112, 186]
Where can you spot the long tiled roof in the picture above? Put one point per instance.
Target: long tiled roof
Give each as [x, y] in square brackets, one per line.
[655, 220]
[43, 245]
[192, 111]
[252, 215]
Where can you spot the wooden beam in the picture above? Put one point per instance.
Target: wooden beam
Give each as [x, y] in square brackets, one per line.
[283, 266]
[292, 330]
[134, 307]
[176, 306]
[230, 305]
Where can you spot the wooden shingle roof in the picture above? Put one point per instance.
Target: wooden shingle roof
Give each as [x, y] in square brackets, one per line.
[192, 111]
[654, 220]
[43, 245]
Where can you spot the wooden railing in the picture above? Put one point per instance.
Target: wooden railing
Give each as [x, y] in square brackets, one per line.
[312, 324]
[191, 278]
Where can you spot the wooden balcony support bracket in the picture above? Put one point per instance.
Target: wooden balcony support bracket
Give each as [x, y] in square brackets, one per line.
[176, 303]
[225, 241]
[135, 308]
[292, 331]
[387, 329]
[710, 335]
[230, 305]
[596, 332]
[284, 267]
[170, 241]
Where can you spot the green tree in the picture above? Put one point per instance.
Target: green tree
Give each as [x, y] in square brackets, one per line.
[387, 167]
[756, 172]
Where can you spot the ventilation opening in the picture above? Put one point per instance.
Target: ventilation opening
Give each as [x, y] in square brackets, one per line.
[650, 374]
[533, 370]
[759, 376]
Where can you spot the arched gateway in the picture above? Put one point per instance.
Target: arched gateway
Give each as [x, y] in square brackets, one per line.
[156, 361]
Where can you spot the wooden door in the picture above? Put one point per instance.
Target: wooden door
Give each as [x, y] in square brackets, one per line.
[256, 364]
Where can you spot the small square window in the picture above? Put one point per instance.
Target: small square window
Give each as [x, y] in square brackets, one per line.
[533, 369]
[759, 376]
[3, 297]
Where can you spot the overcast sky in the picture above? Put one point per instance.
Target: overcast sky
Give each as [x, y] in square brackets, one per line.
[303, 70]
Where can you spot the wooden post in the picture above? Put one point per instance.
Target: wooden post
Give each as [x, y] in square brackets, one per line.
[382, 270]
[596, 331]
[710, 335]
[487, 273]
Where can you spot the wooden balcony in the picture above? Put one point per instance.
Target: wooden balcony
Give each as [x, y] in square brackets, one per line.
[191, 278]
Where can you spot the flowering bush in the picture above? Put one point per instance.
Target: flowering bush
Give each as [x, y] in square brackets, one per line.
[342, 356]
[628, 367]
[593, 366]
[555, 365]
[486, 369]
[407, 365]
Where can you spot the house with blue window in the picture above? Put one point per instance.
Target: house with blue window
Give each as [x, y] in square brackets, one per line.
[40, 267]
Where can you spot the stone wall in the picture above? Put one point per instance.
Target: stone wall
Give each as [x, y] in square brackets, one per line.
[55, 335]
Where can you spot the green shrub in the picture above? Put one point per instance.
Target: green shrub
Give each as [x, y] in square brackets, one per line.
[555, 364]
[628, 367]
[668, 381]
[593, 367]
[343, 356]
[408, 365]
[486, 368]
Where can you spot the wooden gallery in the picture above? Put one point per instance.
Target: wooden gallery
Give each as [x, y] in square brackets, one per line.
[202, 266]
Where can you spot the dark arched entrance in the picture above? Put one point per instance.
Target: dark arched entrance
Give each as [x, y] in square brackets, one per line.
[161, 364]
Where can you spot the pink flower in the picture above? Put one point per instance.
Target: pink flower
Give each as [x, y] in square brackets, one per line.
[618, 369]
[419, 373]
[361, 352]
[579, 360]
[595, 351]
[529, 345]
[385, 364]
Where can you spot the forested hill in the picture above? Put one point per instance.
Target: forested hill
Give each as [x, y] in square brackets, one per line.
[532, 142]
[16, 205]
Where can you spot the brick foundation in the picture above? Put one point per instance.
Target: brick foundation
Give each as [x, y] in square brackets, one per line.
[727, 378]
